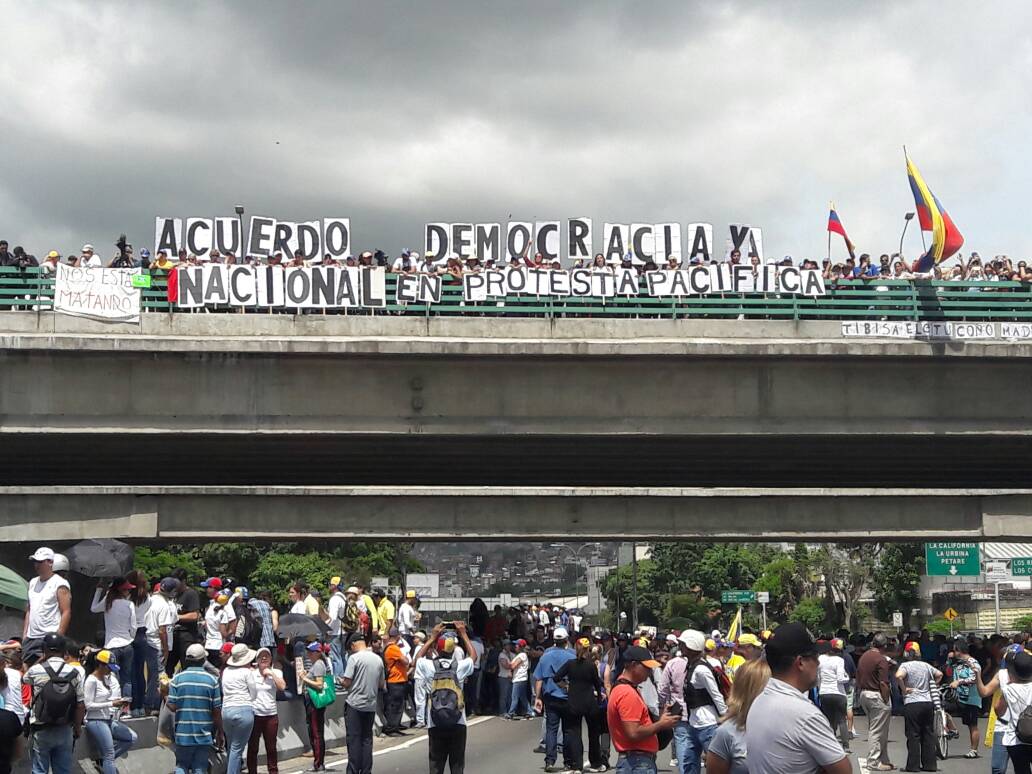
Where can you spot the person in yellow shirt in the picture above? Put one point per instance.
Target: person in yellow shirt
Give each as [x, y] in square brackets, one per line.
[384, 611]
[749, 649]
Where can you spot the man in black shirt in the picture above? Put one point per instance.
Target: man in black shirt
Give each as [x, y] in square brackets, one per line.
[184, 633]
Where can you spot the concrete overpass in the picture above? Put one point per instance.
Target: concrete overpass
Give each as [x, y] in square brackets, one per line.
[230, 425]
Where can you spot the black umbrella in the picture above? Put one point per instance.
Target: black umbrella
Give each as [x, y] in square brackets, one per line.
[104, 558]
[297, 626]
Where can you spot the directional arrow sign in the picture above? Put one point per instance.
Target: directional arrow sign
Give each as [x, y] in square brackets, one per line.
[739, 596]
[952, 559]
[951, 615]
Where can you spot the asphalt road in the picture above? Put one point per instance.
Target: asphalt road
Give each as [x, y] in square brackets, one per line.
[497, 746]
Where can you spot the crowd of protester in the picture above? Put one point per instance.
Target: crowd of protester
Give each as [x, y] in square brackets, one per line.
[865, 267]
[215, 663]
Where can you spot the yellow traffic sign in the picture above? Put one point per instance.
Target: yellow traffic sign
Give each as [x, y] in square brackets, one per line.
[951, 615]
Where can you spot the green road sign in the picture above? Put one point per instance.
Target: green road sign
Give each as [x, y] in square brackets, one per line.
[1021, 565]
[737, 597]
[952, 559]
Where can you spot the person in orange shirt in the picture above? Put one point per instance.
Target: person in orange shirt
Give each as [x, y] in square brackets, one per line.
[397, 664]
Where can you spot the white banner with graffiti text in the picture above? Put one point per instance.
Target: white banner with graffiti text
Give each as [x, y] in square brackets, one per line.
[110, 295]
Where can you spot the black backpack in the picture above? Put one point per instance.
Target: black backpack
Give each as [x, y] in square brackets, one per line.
[249, 627]
[1023, 726]
[446, 701]
[54, 702]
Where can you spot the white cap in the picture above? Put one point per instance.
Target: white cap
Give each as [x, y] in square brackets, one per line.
[671, 638]
[560, 633]
[43, 554]
[694, 640]
[60, 563]
[87, 247]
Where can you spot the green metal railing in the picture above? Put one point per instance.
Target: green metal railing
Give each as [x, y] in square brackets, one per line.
[32, 289]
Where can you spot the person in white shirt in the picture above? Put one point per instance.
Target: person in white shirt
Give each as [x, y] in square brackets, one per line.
[49, 608]
[519, 664]
[104, 703]
[832, 681]
[267, 681]
[703, 703]
[12, 715]
[119, 625]
[239, 692]
[159, 620]
[89, 259]
[336, 615]
[218, 622]
[408, 616]
[447, 745]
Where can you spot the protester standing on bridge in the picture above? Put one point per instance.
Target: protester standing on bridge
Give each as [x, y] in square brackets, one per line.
[727, 753]
[917, 680]
[188, 614]
[49, 607]
[786, 733]
[630, 725]
[55, 718]
[112, 599]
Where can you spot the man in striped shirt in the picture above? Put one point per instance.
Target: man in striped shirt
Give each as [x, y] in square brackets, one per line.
[195, 698]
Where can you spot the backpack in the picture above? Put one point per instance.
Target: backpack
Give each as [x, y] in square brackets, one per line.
[700, 697]
[249, 627]
[445, 702]
[1023, 726]
[348, 615]
[55, 701]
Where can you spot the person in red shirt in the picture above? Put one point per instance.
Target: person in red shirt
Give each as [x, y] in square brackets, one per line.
[630, 725]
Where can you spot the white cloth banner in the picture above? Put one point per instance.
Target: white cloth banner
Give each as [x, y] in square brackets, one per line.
[100, 294]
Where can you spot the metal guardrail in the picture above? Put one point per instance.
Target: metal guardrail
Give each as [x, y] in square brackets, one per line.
[876, 299]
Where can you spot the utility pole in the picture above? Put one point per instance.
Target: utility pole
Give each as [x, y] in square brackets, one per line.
[634, 588]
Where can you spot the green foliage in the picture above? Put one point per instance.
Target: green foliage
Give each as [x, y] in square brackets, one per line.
[896, 577]
[810, 612]
[939, 626]
[617, 589]
[158, 563]
[1023, 624]
[686, 608]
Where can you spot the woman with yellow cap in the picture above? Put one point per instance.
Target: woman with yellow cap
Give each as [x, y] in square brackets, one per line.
[104, 702]
[585, 693]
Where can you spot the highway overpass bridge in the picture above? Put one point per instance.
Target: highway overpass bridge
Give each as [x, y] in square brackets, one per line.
[205, 426]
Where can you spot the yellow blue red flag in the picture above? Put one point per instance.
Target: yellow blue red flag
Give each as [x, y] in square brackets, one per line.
[946, 237]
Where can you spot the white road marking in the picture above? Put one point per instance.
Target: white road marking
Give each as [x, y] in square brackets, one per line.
[409, 743]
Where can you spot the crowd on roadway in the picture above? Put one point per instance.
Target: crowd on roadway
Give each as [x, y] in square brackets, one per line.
[216, 663]
[453, 266]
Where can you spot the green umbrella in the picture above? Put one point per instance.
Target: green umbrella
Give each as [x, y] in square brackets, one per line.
[14, 589]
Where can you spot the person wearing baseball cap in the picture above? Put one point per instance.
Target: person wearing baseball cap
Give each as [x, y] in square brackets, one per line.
[195, 690]
[103, 697]
[364, 678]
[519, 666]
[832, 682]
[49, 607]
[703, 702]
[631, 728]
[219, 620]
[53, 741]
[408, 616]
[552, 699]
[786, 733]
[916, 678]
[113, 600]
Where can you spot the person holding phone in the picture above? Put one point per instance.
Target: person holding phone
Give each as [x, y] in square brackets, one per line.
[631, 727]
[104, 703]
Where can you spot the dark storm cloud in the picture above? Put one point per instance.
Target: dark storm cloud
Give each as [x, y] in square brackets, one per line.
[400, 113]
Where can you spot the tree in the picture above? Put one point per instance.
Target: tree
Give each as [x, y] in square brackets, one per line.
[810, 612]
[1023, 624]
[895, 579]
[847, 569]
[617, 589]
[780, 579]
[158, 563]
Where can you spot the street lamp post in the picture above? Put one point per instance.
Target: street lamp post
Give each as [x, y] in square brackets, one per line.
[239, 210]
[906, 222]
[577, 557]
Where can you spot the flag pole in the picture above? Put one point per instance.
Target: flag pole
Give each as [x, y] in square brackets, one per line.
[832, 206]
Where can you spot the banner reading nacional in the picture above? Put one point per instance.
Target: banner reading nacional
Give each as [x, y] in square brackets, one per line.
[340, 287]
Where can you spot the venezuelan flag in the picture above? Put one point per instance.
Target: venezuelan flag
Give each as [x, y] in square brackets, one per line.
[835, 226]
[946, 237]
[736, 627]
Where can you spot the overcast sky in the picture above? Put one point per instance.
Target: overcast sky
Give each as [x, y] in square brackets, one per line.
[398, 114]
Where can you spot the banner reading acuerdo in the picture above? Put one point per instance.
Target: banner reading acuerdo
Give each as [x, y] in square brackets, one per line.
[100, 294]
[337, 287]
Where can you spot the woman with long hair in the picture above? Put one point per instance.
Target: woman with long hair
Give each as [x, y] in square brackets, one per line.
[239, 692]
[585, 693]
[917, 680]
[120, 625]
[727, 753]
[832, 682]
[104, 701]
[267, 681]
[12, 716]
[146, 661]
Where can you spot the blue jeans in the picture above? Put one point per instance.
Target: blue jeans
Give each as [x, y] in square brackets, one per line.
[237, 723]
[111, 740]
[504, 694]
[518, 705]
[555, 720]
[635, 763]
[338, 656]
[124, 659]
[191, 758]
[51, 750]
[998, 761]
[691, 744]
